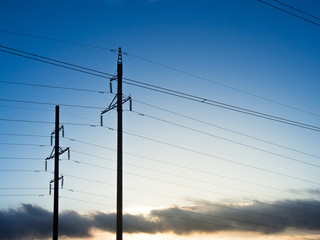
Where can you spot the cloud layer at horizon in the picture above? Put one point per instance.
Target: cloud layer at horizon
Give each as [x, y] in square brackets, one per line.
[33, 222]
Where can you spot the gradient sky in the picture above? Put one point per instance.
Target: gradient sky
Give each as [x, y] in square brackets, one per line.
[191, 170]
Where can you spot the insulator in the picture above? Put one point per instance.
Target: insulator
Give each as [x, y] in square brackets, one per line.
[46, 165]
[110, 86]
[50, 189]
[101, 120]
[130, 103]
[68, 153]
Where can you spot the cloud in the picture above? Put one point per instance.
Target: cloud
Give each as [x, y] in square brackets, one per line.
[33, 222]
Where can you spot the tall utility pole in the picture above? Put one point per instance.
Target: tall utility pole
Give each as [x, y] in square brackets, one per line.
[56, 177]
[119, 150]
[118, 104]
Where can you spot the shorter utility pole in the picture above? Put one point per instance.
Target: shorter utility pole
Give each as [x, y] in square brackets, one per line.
[55, 154]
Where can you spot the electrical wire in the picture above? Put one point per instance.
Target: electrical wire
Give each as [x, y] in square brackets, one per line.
[224, 106]
[222, 159]
[296, 9]
[181, 115]
[201, 202]
[171, 68]
[225, 139]
[225, 129]
[295, 15]
[192, 97]
[192, 169]
[53, 87]
[56, 64]
[179, 147]
[57, 40]
[50, 104]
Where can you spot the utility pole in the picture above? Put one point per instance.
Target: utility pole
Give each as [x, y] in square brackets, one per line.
[119, 150]
[56, 152]
[118, 105]
[56, 178]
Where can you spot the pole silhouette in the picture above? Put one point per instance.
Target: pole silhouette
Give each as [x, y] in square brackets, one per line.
[56, 178]
[119, 150]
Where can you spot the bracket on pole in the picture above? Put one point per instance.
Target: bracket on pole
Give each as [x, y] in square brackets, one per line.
[52, 155]
[112, 79]
[53, 133]
[52, 181]
[113, 105]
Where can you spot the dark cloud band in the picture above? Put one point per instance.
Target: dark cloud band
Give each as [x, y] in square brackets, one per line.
[33, 222]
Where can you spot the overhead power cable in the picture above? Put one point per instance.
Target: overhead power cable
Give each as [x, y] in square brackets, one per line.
[225, 139]
[288, 12]
[170, 174]
[53, 87]
[224, 85]
[298, 10]
[166, 66]
[50, 103]
[220, 104]
[56, 62]
[189, 97]
[171, 164]
[176, 146]
[205, 154]
[56, 40]
[166, 110]
[223, 128]
[186, 186]
[24, 195]
[193, 201]
[222, 159]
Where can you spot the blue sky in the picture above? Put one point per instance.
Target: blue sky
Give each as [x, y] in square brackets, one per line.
[191, 170]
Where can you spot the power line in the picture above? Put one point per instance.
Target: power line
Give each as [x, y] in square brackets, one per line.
[283, 10]
[222, 105]
[81, 200]
[163, 172]
[214, 135]
[189, 168]
[287, 5]
[193, 201]
[50, 104]
[53, 87]
[56, 40]
[21, 158]
[192, 97]
[223, 85]
[186, 186]
[25, 144]
[24, 195]
[180, 147]
[226, 139]
[198, 120]
[55, 60]
[21, 188]
[202, 170]
[58, 65]
[252, 212]
[222, 159]
[168, 67]
[226, 129]
[22, 135]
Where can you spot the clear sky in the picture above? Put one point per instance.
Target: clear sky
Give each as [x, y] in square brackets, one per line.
[195, 167]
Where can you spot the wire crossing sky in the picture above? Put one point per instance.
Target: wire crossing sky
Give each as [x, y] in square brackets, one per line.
[222, 140]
